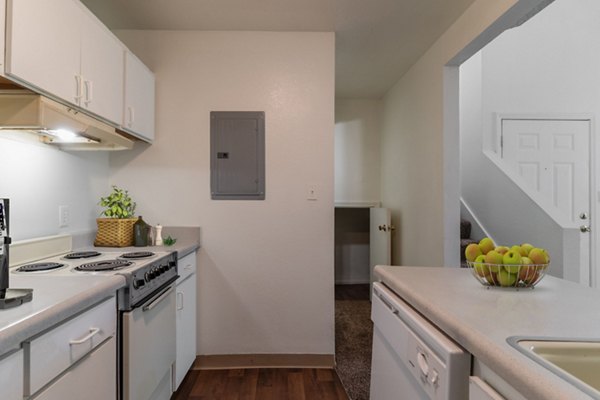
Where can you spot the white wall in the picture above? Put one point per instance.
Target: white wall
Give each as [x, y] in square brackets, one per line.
[266, 270]
[357, 150]
[548, 65]
[38, 178]
[412, 142]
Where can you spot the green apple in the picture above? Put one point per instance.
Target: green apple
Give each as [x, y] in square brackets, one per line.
[501, 249]
[526, 247]
[512, 261]
[539, 256]
[494, 258]
[519, 250]
[472, 252]
[505, 278]
[486, 245]
[480, 267]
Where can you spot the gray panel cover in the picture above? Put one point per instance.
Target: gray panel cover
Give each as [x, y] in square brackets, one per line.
[237, 159]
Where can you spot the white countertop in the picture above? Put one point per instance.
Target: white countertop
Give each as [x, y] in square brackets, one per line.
[481, 319]
[55, 298]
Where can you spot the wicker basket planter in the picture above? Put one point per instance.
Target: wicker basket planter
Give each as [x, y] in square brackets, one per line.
[114, 232]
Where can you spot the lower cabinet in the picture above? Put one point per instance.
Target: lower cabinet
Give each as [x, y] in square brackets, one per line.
[186, 318]
[76, 359]
[479, 390]
[11, 375]
[93, 378]
[487, 385]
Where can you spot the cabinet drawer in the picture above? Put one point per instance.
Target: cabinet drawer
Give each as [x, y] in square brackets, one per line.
[11, 376]
[59, 348]
[186, 266]
[94, 378]
[479, 390]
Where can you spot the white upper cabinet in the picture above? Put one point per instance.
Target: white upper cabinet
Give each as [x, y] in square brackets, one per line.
[62, 49]
[43, 45]
[101, 70]
[138, 113]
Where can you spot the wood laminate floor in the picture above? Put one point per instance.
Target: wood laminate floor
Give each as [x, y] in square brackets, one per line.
[261, 384]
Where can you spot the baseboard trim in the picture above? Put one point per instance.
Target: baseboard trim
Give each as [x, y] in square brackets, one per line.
[235, 361]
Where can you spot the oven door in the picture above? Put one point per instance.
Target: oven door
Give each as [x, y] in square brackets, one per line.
[149, 347]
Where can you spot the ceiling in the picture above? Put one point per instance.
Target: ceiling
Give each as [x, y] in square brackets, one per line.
[376, 40]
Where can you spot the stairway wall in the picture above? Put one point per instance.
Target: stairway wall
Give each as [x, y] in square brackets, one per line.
[508, 214]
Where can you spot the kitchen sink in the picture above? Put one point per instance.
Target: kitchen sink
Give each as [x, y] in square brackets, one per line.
[575, 360]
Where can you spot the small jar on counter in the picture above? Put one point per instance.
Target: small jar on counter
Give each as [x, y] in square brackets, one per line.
[141, 231]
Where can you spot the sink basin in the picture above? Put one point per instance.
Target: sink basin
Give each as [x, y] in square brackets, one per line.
[575, 360]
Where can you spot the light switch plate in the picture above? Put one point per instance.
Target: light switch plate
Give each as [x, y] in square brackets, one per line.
[64, 216]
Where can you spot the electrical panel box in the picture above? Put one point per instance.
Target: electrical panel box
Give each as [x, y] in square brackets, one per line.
[237, 155]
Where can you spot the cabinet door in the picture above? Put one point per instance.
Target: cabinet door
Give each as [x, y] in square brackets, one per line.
[2, 33]
[43, 45]
[11, 376]
[186, 328]
[93, 378]
[101, 69]
[479, 390]
[138, 115]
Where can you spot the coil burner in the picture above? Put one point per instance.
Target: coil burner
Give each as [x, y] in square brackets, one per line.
[105, 265]
[81, 254]
[137, 254]
[37, 267]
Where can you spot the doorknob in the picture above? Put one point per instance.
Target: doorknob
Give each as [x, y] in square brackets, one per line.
[386, 228]
[585, 228]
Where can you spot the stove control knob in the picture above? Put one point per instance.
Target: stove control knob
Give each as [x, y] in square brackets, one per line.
[138, 283]
[164, 268]
[156, 271]
[148, 276]
[172, 264]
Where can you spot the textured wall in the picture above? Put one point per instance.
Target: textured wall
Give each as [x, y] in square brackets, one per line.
[266, 268]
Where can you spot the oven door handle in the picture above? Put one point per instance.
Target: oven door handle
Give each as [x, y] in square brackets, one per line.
[154, 302]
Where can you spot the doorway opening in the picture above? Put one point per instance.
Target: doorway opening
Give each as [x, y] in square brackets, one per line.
[524, 121]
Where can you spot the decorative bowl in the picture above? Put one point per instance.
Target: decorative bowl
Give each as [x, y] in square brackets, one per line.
[503, 275]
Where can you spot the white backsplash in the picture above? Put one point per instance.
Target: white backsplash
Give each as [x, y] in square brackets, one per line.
[38, 178]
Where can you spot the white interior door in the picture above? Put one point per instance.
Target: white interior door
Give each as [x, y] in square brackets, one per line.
[380, 238]
[553, 158]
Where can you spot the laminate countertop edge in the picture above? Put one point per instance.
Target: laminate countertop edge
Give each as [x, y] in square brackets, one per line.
[54, 300]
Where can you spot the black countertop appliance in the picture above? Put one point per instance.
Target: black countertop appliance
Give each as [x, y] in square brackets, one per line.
[8, 297]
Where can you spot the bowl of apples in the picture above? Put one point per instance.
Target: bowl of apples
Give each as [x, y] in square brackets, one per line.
[520, 266]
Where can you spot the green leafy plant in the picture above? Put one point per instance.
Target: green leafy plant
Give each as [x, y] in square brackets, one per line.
[169, 241]
[118, 204]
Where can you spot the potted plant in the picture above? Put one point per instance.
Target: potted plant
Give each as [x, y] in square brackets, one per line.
[116, 230]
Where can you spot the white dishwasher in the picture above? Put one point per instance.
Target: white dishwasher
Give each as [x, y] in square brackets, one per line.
[412, 359]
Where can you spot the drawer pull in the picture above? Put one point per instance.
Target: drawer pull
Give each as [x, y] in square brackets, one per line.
[93, 332]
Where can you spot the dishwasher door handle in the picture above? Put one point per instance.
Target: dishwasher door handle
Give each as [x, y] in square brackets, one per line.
[156, 301]
[387, 302]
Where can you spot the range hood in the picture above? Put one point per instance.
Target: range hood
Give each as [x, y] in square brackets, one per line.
[57, 124]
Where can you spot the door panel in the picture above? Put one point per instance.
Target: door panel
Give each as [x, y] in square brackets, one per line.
[102, 69]
[380, 249]
[42, 52]
[553, 158]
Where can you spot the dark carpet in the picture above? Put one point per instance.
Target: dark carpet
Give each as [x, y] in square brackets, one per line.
[353, 341]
